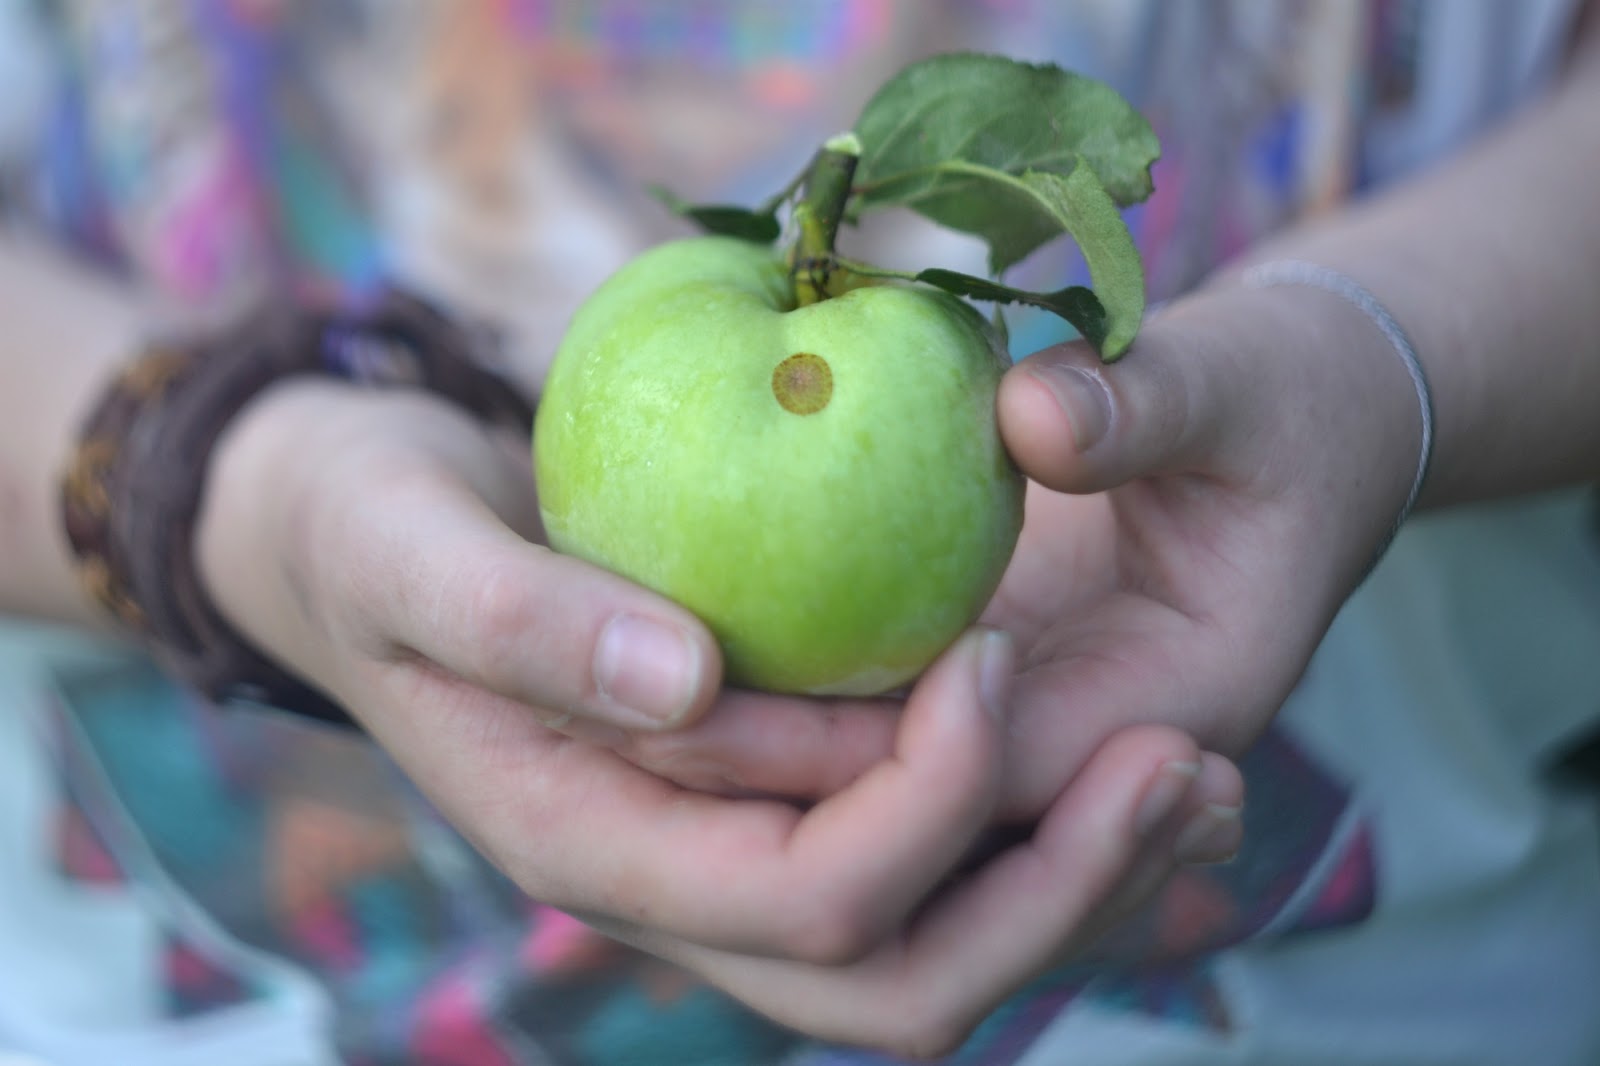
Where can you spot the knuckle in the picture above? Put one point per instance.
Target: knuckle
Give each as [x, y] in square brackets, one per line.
[329, 561]
[1170, 395]
[525, 842]
[826, 934]
[635, 894]
[925, 1035]
[501, 619]
[359, 564]
[499, 602]
[1166, 400]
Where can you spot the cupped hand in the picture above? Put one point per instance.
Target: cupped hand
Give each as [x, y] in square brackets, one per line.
[1196, 514]
[384, 546]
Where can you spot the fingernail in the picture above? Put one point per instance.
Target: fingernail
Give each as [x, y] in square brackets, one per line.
[648, 671]
[696, 770]
[1084, 400]
[1163, 795]
[996, 667]
[1211, 836]
[599, 734]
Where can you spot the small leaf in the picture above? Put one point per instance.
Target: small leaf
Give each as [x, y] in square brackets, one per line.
[1076, 304]
[998, 113]
[726, 220]
[1021, 213]
[1115, 271]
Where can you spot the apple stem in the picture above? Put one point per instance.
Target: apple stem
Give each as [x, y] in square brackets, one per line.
[821, 207]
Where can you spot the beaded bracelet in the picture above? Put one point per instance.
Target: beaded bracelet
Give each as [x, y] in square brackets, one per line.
[132, 492]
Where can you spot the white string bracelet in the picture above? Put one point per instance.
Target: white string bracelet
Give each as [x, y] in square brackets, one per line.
[1299, 272]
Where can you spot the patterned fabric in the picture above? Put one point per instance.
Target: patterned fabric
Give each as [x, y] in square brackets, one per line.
[255, 877]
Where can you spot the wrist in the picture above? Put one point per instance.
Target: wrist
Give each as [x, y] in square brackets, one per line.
[1368, 424]
[132, 496]
[256, 501]
[1339, 420]
[292, 489]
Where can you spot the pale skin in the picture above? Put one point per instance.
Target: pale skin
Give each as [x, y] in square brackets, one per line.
[1176, 571]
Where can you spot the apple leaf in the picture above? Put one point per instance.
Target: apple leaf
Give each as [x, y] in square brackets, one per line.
[1075, 303]
[1017, 154]
[1018, 209]
[726, 220]
[998, 113]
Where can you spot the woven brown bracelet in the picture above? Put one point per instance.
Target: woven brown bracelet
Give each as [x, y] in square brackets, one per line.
[132, 493]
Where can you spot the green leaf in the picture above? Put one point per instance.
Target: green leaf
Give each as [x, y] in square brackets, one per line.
[726, 220]
[1002, 114]
[1020, 213]
[1075, 303]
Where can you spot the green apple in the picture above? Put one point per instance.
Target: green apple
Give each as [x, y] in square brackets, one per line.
[823, 486]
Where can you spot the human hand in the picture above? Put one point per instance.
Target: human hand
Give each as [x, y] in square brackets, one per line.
[376, 543]
[1182, 574]
[1195, 516]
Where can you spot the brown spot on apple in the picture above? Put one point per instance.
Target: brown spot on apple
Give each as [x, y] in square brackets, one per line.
[803, 383]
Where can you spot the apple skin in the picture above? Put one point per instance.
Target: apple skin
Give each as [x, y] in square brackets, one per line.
[835, 552]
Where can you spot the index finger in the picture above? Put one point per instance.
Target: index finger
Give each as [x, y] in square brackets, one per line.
[757, 743]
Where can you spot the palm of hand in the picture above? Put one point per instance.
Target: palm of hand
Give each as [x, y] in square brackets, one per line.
[1142, 604]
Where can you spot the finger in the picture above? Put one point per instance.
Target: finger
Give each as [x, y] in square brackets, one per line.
[1078, 425]
[1134, 925]
[438, 576]
[1204, 828]
[1037, 901]
[753, 743]
[897, 831]
[1209, 827]
[922, 995]
[579, 828]
[763, 878]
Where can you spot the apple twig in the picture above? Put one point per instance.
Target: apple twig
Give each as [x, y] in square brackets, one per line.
[821, 207]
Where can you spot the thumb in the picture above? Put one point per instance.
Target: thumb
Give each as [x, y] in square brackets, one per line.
[1075, 424]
